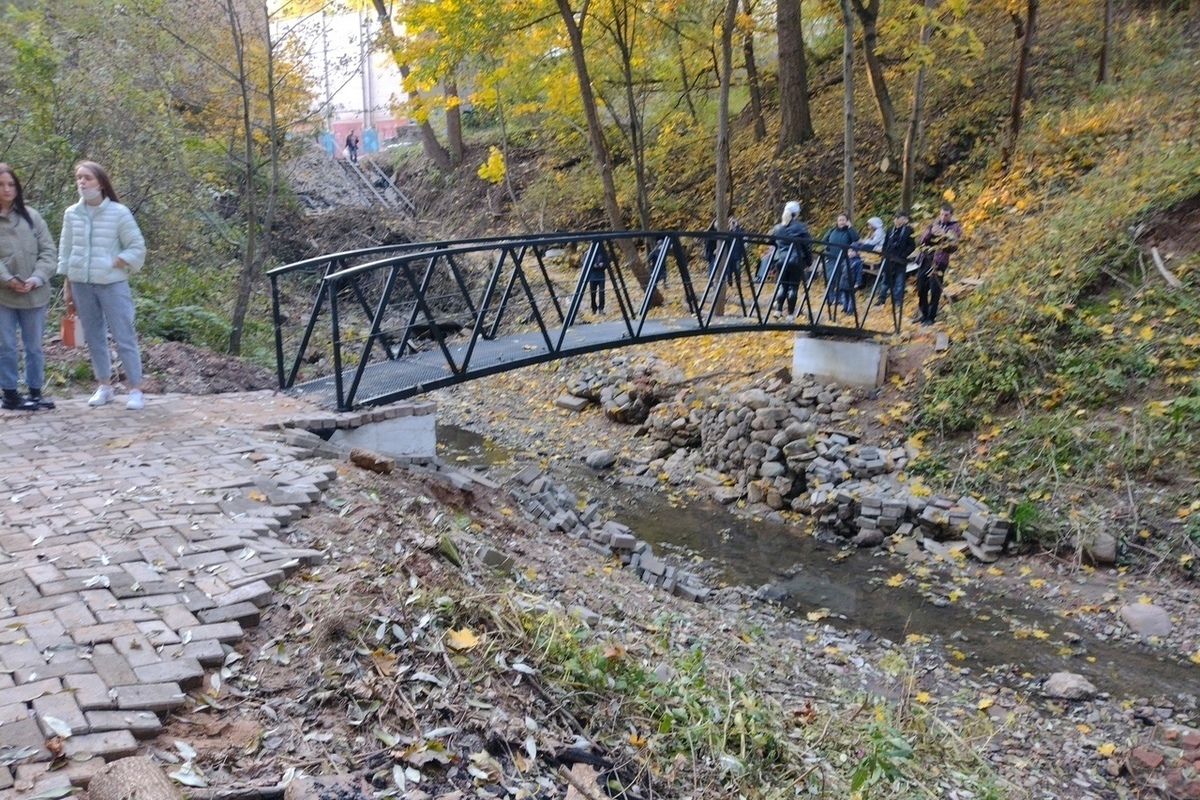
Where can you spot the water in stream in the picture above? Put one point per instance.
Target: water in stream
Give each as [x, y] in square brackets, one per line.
[850, 585]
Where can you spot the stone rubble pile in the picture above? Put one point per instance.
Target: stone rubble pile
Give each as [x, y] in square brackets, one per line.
[554, 507]
[628, 391]
[781, 445]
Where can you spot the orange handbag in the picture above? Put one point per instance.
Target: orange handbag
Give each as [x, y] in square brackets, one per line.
[70, 329]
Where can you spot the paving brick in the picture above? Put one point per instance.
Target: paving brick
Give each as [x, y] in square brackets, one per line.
[32, 605]
[48, 634]
[75, 615]
[150, 697]
[23, 693]
[112, 667]
[42, 782]
[6, 778]
[61, 706]
[221, 631]
[69, 664]
[20, 654]
[123, 613]
[13, 712]
[258, 592]
[24, 735]
[177, 616]
[136, 649]
[158, 632]
[90, 690]
[142, 724]
[105, 632]
[109, 745]
[208, 652]
[247, 614]
[80, 773]
[187, 672]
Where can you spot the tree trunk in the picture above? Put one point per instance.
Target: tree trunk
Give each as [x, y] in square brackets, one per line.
[1020, 85]
[1104, 73]
[686, 82]
[623, 31]
[454, 134]
[795, 121]
[596, 138]
[429, 141]
[250, 187]
[724, 174]
[756, 101]
[848, 108]
[868, 15]
[912, 136]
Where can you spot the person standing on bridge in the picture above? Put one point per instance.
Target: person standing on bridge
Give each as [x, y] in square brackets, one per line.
[937, 242]
[839, 278]
[790, 258]
[27, 260]
[100, 247]
[898, 245]
[596, 277]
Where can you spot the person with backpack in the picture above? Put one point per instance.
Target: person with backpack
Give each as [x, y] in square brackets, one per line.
[27, 262]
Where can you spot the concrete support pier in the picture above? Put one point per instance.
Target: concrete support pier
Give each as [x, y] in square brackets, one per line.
[860, 363]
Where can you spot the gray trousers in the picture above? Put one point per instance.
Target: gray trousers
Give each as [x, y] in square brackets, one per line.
[105, 307]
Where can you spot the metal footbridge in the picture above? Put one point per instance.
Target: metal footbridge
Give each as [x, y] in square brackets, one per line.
[390, 322]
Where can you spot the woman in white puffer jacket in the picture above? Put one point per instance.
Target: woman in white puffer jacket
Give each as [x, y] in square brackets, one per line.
[100, 247]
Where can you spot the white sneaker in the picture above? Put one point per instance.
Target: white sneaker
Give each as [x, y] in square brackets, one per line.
[135, 402]
[103, 395]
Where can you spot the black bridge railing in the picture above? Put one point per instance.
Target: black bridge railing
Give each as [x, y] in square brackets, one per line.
[390, 322]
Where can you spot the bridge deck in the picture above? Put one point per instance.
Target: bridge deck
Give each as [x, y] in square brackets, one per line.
[385, 381]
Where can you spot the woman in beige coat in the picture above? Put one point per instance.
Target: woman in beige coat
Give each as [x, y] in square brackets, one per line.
[27, 260]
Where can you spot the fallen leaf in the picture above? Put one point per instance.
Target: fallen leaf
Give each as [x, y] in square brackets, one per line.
[461, 639]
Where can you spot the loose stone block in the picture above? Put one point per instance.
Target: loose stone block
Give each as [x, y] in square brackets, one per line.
[149, 697]
[110, 745]
[142, 724]
[60, 706]
[90, 691]
[187, 672]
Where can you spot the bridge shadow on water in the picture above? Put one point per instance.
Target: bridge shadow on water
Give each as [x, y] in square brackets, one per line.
[391, 322]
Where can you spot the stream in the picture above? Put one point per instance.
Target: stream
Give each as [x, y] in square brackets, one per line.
[850, 584]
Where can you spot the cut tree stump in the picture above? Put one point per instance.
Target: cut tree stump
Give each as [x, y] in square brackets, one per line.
[137, 777]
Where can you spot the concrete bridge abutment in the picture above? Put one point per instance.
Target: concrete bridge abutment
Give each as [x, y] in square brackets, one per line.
[857, 363]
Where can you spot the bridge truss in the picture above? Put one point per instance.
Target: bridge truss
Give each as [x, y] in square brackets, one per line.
[391, 322]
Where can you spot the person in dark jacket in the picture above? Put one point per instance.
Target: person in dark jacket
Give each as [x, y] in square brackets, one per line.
[596, 278]
[898, 245]
[737, 250]
[839, 277]
[937, 242]
[791, 257]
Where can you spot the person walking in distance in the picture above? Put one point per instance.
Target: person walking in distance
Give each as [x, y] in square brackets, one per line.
[352, 146]
[898, 245]
[936, 242]
[100, 247]
[27, 261]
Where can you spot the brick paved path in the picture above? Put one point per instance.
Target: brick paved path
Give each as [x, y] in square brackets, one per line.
[134, 547]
